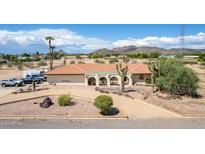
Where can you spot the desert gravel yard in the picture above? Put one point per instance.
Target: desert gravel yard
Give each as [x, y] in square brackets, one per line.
[184, 106]
[81, 108]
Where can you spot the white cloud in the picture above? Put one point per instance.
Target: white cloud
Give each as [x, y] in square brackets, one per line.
[71, 41]
[63, 37]
[192, 41]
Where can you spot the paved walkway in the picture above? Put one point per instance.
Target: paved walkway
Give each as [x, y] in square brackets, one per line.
[133, 108]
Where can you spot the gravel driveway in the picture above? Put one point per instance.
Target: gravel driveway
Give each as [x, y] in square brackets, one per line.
[81, 108]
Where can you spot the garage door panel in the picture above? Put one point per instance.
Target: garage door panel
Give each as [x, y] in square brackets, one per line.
[66, 78]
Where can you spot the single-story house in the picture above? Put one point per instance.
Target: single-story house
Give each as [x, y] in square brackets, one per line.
[167, 56]
[97, 74]
[190, 57]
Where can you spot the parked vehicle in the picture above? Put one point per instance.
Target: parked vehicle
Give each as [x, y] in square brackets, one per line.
[11, 82]
[42, 76]
[32, 72]
[30, 78]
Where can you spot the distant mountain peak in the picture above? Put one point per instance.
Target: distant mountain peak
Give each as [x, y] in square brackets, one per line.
[131, 49]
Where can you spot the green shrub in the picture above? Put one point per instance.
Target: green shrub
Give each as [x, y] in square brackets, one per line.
[9, 65]
[202, 63]
[1, 65]
[173, 77]
[95, 56]
[81, 62]
[125, 59]
[154, 55]
[29, 65]
[104, 103]
[148, 81]
[42, 63]
[72, 62]
[64, 100]
[190, 62]
[20, 66]
[113, 60]
[99, 61]
[78, 57]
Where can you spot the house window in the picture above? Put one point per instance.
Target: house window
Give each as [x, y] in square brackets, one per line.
[141, 77]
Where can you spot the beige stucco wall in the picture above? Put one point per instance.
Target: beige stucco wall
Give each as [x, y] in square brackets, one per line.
[66, 78]
[135, 78]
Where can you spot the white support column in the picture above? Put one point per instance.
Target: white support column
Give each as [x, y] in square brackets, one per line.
[119, 80]
[97, 80]
[86, 80]
[108, 80]
[130, 80]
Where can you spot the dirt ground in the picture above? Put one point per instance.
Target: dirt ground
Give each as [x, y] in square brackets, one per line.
[81, 108]
[13, 72]
[185, 106]
[9, 73]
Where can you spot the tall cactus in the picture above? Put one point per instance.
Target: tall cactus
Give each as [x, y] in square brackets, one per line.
[155, 69]
[122, 72]
[151, 67]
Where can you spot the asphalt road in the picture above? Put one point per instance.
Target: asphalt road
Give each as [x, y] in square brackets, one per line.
[168, 123]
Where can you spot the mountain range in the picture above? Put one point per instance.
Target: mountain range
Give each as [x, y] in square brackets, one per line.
[145, 49]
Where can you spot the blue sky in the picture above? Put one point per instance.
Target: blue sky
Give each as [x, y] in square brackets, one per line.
[86, 38]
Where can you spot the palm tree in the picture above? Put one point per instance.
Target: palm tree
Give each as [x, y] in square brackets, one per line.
[122, 72]
[49, 39]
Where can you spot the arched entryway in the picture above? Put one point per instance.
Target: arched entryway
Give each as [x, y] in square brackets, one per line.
[113, 80]
[102, 81]
[91, 81]
[126, 81]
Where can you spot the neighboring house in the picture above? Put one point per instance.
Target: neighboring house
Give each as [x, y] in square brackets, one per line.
[70, 57]
[167, 56]
[97, 74]
[84, 56]
[190, 57]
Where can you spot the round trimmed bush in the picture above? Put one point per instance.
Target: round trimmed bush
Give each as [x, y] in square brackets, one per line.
[64, 100]
[104, 103]
[72, 62]
[42, 63]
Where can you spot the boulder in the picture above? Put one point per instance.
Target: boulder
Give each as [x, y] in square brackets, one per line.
[47, 102]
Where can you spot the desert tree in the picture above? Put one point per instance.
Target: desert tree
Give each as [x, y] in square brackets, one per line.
[64, 61]
[122, 72]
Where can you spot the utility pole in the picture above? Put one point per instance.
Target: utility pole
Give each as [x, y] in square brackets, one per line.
[181, 42]
[182, 34]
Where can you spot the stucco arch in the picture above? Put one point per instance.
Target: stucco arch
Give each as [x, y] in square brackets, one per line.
[91, 81]
[126, 80]
[103, 81]
[114, 80]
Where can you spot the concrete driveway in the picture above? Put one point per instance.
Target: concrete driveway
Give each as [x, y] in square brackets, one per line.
[135, 109]
[4, 91]
[7, 90]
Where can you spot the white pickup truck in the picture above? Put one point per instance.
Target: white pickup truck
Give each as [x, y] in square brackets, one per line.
[11, 82]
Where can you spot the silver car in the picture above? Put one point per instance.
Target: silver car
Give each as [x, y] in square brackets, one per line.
[11, 82]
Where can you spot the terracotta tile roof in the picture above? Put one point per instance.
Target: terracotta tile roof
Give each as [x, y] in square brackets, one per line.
[89, 68]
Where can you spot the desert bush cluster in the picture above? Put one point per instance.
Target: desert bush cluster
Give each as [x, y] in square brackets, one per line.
[42, 63]
[172, 76]
[65, 100]
[104, 103]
